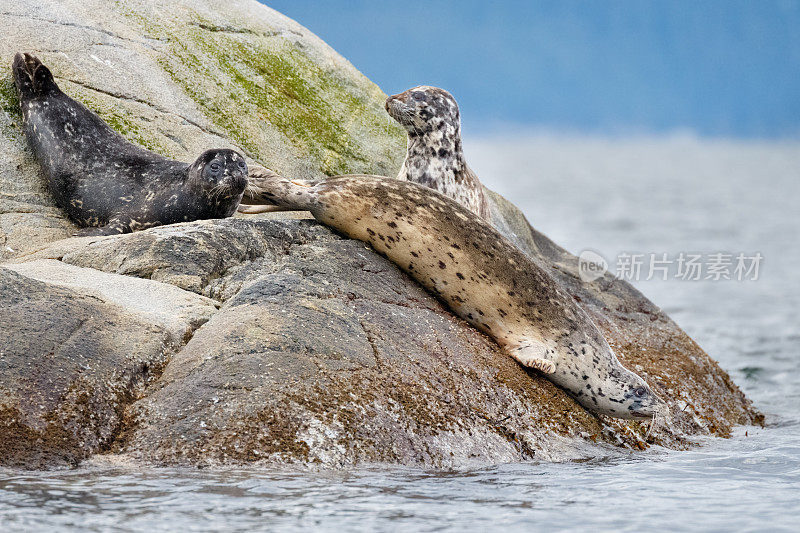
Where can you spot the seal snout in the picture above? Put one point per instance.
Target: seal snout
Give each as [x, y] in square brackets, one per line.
[393, 105]
[238, 180]
[236, 175]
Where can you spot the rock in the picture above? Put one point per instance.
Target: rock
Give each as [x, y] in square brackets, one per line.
[268, 339]
[324, 352]
[69, 365]
[176, 311]
[182, 77]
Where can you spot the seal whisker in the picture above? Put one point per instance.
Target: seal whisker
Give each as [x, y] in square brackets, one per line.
[659, 420]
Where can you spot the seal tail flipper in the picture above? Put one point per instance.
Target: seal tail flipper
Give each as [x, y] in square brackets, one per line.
[22, 77]
[533, 354]
[31, 77]
[258, 179]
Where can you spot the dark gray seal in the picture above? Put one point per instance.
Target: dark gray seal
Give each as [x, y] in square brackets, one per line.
[108, 184]
[479, 274]
[435, 156]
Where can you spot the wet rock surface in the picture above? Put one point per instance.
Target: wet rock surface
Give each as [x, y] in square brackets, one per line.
[272, 340]
[70, 364]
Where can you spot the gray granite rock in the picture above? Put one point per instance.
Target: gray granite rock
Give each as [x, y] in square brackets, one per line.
[323, 352]
[180, 77]
[177, 311]
[69, 365]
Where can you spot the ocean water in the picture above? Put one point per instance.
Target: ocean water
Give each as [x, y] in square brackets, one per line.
[636, 197]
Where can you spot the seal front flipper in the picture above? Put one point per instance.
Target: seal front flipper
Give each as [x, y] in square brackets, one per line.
[533, 355]
[96, 232]
[114, 227]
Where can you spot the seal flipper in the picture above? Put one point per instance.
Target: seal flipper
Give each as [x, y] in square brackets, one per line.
[248, 209]
[43, 82]
[268, 188]
[115, 226]
[533, 355]
[31, 77]
[22, 78]
[102, 231]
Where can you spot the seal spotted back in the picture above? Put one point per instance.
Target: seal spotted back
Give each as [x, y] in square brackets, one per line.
[479, 274]
[108, 184]
[435, 157]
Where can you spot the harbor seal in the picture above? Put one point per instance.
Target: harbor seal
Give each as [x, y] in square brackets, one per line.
[479, 274]
[435, 156]
[107, 184]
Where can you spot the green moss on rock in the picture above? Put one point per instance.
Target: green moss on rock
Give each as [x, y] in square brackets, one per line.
[8, 98]
[251, 83]
[124, 122]
[9, 103]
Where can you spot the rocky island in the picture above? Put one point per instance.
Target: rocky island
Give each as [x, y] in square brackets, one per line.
[269, 339]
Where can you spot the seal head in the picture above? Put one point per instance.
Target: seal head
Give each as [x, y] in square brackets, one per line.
[623, 394]
[220, 174]
[424, 109]
[435, 157]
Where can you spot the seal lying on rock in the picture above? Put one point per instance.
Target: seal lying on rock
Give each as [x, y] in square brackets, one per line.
[479, 274]
[103, 181]
[435, 157]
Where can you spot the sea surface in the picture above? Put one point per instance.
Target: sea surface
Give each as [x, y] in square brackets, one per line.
[614, 196]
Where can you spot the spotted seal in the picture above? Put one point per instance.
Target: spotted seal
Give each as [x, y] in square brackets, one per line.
[435, 156]
[108, 184]
[479, 274]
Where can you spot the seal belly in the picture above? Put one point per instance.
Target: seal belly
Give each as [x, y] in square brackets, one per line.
[435, 259]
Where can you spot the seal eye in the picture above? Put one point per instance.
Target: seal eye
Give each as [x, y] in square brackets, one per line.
[640, 392]
[241, 164]
[214, 166]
